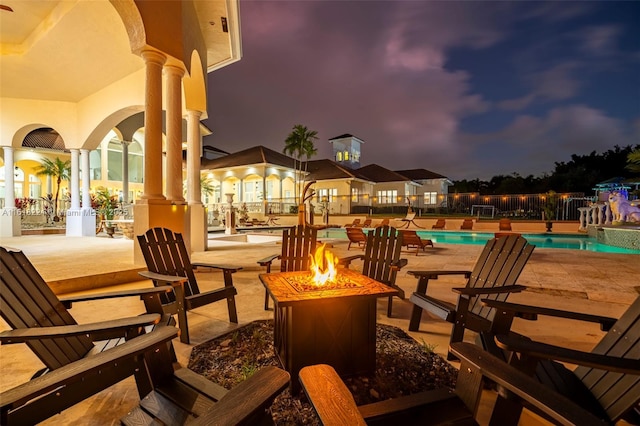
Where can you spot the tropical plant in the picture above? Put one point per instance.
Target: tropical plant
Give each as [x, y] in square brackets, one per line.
[299, 143]
[633, 161]
[57, 169]
[549, 208]
[105, 203]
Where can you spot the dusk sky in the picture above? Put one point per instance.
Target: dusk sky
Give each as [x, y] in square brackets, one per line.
[466, 89]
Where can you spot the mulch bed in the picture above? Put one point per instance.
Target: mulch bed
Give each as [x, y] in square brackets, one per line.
[403, 366]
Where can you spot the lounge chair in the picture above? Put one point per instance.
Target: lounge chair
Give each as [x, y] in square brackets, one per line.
[493, 276]
[365, 224]
[356, 236]
[356, 222]
[298, 242]
[383, 222]
[607, 379]
[408, 220]
[440, 223]
[335, 405]
[168, 263]
[381, 259]
[410, 238]
[467, 224]
[504, 224]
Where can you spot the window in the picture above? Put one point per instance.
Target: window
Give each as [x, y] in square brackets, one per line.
[34, 187]
[355, 194]
[339, 156]
[136, 162]
[251, 191]
[346, 156]
[430, 198]
[330, 193]
[388, 196]
[114, 160]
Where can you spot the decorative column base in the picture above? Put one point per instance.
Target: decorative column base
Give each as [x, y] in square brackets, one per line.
[10, 222]
[160, 215]
[199, 229]
[81, 223]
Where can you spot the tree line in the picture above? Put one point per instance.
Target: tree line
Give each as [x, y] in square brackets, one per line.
[580, 174]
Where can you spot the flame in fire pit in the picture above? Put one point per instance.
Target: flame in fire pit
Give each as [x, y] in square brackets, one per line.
[324, 266]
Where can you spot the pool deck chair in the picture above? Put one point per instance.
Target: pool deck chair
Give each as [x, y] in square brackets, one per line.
[356, 236]
[440, 224]
[381, 258]
[504, 224]
[494, 276]
[606, 380]
[355, 223]
[408, 220]
[335, 405]
[410, 239]
[383, 222]
[365, 224]
[298, 243]
[168, 263]
[467, 224]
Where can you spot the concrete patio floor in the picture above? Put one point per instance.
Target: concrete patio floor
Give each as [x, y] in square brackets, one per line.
[598, 283]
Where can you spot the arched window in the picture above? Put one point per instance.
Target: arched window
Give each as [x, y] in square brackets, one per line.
[339, 156]
[346, 156]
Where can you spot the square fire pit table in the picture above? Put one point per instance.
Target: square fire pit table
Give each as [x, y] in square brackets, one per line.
[328, 326]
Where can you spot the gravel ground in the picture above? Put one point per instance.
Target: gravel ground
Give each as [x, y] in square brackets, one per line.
[403, 366]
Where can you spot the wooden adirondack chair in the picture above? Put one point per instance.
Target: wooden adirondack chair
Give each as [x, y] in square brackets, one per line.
[356, 236]
[607, 379]
[335, 405]
[410, 238]
[168, 263]
[298, 243]
[181, 396]
[381, 258]
[41, 320]
[440, 224]
[467, 224]
[494, 276]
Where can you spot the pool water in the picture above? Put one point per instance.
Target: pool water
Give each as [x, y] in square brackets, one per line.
[571, 242]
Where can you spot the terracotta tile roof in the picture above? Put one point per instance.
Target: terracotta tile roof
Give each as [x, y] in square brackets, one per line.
[420, 174]
[255, 155]
[377, 173]
[46, 138]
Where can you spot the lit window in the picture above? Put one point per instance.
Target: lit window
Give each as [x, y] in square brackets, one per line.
[339, 156]
[388, 196]
[430, 198]
[346, 156]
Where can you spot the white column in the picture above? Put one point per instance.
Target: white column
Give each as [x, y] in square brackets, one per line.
[194, 142]
[174, 134]
[153, 126]
[75, 179]
[86, 179]
[9, 215]
[9, 183]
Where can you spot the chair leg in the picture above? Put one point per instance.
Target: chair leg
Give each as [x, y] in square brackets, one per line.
[182, 314]
[233, 313]
[416, 316]
[266, 300]
[389, 306]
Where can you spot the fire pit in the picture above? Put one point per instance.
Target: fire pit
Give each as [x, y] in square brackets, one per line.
[332, 324]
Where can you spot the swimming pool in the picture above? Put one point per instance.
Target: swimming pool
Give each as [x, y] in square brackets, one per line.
[561, 241]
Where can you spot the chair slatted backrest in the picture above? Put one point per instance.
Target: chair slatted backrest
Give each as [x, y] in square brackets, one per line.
[467, 224]
[298, 243]
[440, 223]
[504, 224]
[499, 264]
[616, 392]
[410, 237]
[381, 251]
[165, 253]
[27, 301]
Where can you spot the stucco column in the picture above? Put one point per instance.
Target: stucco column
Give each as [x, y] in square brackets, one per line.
[9, 215]
[75, 179]
[194, 142]
[174, 134]
[125, 170]
[86, 179]
[153, 126]
[9, 182]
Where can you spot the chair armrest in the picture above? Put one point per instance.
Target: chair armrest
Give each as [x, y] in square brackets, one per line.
[232, 269]
[474, 291]
[532, 312]
[248, 398]
[346, 261]
[557, 353]
[68, 301]
[401, 263]
[560, 408]
[434, 274]
[268, 260]
[75, 371]
[165, 279]
[110, 328]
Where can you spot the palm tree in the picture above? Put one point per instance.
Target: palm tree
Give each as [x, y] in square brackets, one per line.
[633, 161]
[298, 143]
[58, 169]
